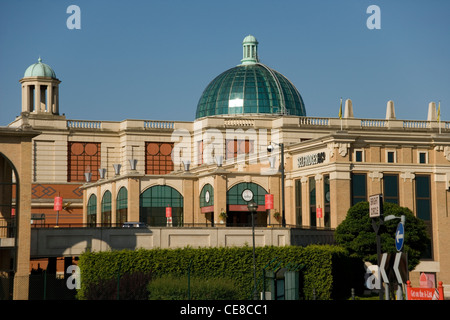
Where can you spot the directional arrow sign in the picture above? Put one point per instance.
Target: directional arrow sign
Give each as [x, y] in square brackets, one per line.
[382, 268]
[400, 268]
[399, 236]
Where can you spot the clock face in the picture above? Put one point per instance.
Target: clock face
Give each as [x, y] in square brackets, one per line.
[207, 196]
[247, 195]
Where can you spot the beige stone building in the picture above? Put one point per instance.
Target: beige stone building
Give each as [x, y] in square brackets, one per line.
[205, 172]
[15, 209]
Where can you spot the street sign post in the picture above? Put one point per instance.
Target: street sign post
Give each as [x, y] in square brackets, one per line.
[375, 213]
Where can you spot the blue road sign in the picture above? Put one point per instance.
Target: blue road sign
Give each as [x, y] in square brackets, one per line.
[399, 236]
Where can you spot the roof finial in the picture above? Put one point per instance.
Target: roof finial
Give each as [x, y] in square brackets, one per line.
[250, 47]
[39, 60]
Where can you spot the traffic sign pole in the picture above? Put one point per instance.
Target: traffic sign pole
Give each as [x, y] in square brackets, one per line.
[376, 213]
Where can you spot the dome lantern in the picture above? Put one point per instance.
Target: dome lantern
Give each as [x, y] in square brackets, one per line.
[250, 50]
[40, 90]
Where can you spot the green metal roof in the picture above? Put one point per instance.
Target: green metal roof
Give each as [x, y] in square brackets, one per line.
[250, 88]
[40, 69]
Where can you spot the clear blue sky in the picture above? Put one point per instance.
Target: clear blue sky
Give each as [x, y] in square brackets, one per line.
[152, 59]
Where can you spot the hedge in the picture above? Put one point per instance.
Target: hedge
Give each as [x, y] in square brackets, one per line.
[327, 270]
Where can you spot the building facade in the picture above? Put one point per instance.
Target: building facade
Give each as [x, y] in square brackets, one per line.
[205, 172]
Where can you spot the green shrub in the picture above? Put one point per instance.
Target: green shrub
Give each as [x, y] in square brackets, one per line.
[129, 287]
[327, 270]
[179, 288]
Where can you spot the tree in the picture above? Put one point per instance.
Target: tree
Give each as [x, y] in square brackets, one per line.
[356, 234]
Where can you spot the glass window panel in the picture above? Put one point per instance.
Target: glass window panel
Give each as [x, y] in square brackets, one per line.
[358, 188]
[390, 185]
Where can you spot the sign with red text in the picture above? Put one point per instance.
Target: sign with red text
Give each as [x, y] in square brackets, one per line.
[425, 293]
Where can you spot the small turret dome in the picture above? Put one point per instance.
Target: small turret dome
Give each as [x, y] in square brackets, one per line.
[39, 69]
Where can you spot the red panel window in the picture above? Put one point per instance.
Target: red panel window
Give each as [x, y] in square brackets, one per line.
[83, 157]
[158, 159]
[238, 147]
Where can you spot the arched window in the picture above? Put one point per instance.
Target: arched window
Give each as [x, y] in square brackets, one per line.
[207, 203]
[92, 210]
[122, 206]
[106, 209]
[207, 196]
[238, 198]
[235, 196]
[153, 203]
[8, 198]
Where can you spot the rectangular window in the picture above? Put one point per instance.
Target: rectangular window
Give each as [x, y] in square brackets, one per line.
[390, 156]
[158, 159]
[298, 202]
[358, 156]
[390, 187]
[422, 157]
[83, 157]
[312, 201]
[359, 189]
[235, 148]
[423, 207]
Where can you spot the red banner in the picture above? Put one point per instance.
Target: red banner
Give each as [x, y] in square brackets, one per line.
[319, 213]
[269, 201]
[58, 204]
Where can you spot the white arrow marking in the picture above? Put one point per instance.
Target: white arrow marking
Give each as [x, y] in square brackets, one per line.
[382, 265]
[396, 265]
[399, 236]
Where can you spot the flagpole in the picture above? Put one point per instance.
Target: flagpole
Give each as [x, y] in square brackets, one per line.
[340, 113]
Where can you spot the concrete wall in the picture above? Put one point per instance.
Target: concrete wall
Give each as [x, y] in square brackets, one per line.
[74, 241]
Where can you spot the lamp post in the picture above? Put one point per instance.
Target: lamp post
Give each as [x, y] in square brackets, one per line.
[252, 207]
[270, 149]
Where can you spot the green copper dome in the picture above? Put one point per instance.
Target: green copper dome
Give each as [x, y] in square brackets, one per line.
[39, 69]
[250, 88]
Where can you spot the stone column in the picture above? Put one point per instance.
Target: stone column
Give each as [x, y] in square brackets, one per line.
[134, 192]
[99, 207]
[188, 201]
[406, 190]
[113, 204]
[37, 97]
[50, 98]
[220, 197]
[21, 278]
[340, 196]
[375, 183]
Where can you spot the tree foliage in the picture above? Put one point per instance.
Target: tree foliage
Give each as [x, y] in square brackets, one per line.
[357, 235]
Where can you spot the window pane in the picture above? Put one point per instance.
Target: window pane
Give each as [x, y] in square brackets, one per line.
[358, 188]
[422, 157]
[390, 157]
[83, 157]
[390, 188]
[298, 202]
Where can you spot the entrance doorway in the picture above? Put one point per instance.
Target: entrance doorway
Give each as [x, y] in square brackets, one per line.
[244, 219]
